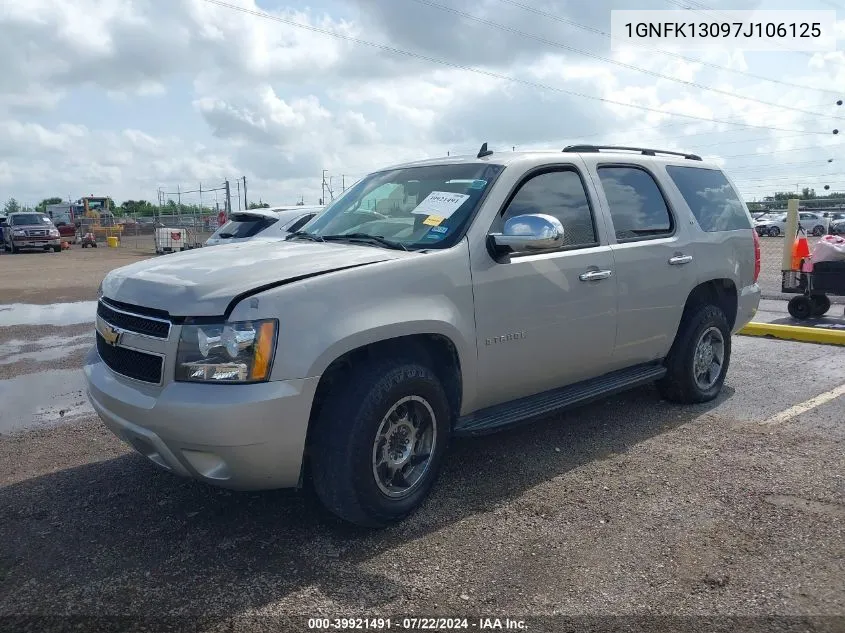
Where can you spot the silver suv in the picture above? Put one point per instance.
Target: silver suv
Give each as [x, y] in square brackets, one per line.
[442, 298]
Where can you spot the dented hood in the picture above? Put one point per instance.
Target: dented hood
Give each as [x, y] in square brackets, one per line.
[202, 282]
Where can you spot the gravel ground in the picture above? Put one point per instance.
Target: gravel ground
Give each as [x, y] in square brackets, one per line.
[627, 506]
[72, 275]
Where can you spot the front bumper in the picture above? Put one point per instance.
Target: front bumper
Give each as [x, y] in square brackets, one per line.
[34, 242]
[244, 437]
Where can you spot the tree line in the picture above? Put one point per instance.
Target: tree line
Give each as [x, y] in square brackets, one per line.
[135, 208]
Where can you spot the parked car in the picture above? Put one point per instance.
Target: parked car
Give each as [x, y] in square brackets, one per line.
[30, 230]
[274, 223]
[775, 225]
[447, 297]
[837, 227]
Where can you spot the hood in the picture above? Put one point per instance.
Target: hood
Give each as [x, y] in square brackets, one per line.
[33, 227]
[202, 282]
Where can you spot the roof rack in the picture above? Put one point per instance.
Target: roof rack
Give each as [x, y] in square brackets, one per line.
[645, 151]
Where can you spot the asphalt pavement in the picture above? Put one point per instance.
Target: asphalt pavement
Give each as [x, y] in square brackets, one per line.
[630, 505]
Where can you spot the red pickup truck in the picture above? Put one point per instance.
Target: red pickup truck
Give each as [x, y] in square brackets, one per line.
[67, 232]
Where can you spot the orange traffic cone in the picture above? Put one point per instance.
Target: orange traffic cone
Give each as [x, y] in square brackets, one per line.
[800, 250]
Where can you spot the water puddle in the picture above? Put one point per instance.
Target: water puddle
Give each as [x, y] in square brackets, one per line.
[42, 399]
[48, 348]
[49, 314]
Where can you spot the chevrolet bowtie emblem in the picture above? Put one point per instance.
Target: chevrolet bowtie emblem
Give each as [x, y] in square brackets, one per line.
[110, 334]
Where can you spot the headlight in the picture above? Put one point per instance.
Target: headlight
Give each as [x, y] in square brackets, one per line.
[100, 290]
[54, 232]
[227, 352]
[19, 233]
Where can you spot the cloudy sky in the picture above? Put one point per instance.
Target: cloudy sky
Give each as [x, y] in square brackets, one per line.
[123, 97]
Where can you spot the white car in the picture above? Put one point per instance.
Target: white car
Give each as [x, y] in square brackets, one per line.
[273, 223]
[775, 224]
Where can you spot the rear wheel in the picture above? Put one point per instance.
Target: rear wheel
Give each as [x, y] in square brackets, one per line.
[698, 360]
[800, 307]
[379, 442]
[818, 230]
[819, 305]
[774, 231]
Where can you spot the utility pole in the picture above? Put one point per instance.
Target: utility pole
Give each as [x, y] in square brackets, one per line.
[238, 182]
[246, 202]
[343, 182]
[228, 200]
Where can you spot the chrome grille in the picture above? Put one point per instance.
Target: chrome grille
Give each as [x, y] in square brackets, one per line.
[139, 324]
[130, 363]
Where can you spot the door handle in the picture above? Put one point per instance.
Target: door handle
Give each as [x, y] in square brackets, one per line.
[595, 275]
[678, 260]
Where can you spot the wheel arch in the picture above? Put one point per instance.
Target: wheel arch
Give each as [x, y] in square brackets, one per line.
[434, 349]
[719, 292]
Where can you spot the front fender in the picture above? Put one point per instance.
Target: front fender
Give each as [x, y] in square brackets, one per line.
[324, 317]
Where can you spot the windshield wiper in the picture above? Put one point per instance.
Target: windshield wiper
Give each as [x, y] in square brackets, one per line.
[226, 235]
[305, 235]
[366, 237]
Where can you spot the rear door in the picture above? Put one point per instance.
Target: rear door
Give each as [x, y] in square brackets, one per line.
[655, 262]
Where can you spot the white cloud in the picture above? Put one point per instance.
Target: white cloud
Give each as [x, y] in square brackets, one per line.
[124, 97]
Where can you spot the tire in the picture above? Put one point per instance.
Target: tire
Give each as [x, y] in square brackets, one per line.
[818, 230]
[800, 307]
[57, 249]
[13, 250]
[346, 443]
[681, 383]
[819, 305]
[774, 231]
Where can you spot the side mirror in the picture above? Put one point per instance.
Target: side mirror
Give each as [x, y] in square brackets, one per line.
[528, 233]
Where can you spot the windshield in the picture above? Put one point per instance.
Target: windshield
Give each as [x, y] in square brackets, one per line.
[413, 207]
[242, 225]
[28, 219]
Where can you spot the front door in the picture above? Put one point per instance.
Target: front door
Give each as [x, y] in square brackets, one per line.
[545, 320]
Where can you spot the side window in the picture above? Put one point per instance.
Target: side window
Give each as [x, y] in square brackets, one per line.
[560, 194]
[711, 198]
[637, 207]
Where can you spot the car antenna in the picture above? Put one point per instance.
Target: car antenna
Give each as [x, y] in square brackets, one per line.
[484, 151]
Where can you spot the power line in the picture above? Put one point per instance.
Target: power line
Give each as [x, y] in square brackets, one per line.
[608, 60]
[692, 60]
[487, 73]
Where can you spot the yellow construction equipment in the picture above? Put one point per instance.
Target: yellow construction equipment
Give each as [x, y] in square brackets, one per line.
[96, 217]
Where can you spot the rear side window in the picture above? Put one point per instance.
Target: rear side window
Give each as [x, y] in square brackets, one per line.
[300, 222]
[711, 198]
[637, 206]
[244, 225]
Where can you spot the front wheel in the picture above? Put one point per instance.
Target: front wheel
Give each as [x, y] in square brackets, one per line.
[774, 231]
[379, 442]
[698, 360]
[818, 230]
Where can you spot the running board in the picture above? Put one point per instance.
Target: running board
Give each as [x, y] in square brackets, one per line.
[501, 416]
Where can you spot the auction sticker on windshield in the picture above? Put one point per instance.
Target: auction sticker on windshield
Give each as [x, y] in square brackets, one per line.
[441, 204]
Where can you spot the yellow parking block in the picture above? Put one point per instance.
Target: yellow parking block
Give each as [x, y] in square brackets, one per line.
[795, 333]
